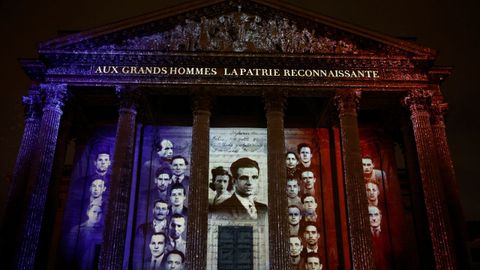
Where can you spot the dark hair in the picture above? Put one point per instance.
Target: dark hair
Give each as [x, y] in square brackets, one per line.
[176, 186]
[179, 253]
[159, 233]
[220, 171]
[367, 157]
[100, 152]
[178, 157]
[159, 201]
[296, 206]
[306, 224]
[163, 170]
[176, 215]
[300, 146]
[312, 255]
[308, 195]
[293, 153]
[243, 163]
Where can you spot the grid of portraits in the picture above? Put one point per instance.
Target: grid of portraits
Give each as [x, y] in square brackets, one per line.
[304, 194]
[82, 231]
[160, 227]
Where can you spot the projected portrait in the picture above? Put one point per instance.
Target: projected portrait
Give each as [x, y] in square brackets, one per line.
[161, 204]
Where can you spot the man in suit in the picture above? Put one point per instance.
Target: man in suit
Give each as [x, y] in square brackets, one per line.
[177, 231]
[162, 183]
[369, 173]
[177, 200]
[157, 244]
[242, 204]
[305, 153]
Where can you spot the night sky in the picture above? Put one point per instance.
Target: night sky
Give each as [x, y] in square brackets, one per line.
[450, 27]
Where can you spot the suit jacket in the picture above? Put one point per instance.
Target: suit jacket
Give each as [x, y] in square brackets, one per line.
[234, 209]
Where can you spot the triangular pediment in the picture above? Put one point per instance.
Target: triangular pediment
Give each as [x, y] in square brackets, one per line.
[243, 26]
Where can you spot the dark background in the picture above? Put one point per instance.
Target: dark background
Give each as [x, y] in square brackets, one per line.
[450, 27]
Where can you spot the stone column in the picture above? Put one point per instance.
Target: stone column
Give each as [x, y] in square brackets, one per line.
[113, 247]
[418, 102]
[197, 229]
[450, 187]
[357, 207]
[40, 173]
[278, 231]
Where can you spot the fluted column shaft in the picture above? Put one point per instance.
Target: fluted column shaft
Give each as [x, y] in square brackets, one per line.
[197, 229]
[113, 247]
[359, 228]
[277, 182]
[450, 186]
[418, 103]
[40, 172]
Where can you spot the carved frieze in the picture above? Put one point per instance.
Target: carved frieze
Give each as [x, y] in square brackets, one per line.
[239, 32]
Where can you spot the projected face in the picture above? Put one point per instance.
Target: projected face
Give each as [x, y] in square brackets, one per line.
[313, 263]
[294, 215]
[221, 183]
[177, 197]
[102, 163]
[367, 164]
[308, 179]
[157, 245]
[94, 214]
[174, 262]
[247, 181]
[97, 188]
[375, 217]
[292, 188]
[309, 204]
[177, 227]
[291, 161]
[163, 181]
[372, 192]
[305, 154]
[160, 211]
[179, 166]
[311, 235]
[166, 151]
[295, 246]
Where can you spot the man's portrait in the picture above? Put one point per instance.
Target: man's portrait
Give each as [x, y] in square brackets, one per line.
[375, 217]
[370, 174]
[157, 250]
[373, 192]
[177, 233]
[242, 204]
[179, 166]
[163, 155]
[291, 162]
[305, 153]
[309, 208]
[312, 261]
[296, 248]
[308, 181]
[102, 164]
[162, 181]
[310, 236]
[177, 199]
[293, 188]
[97, 188]
[175, 260]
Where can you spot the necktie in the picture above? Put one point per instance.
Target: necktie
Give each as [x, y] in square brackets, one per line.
[252, 211]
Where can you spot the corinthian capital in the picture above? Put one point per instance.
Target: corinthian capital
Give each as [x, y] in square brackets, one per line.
[438, 110]
[418, 100]
[55, 95]
[347, 101]
[32, 103]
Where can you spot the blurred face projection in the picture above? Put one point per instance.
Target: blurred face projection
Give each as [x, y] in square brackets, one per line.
[292, 188]
[313, 263]
[178, 166]
[291, 161]
[174, 262]
[375, 217]
[102, 163]
[166, 151]
[295, 246]
[160, 211]
[97, 188]
[309, 204]
[157, 245]
[305, 155]
[177, 197]
[367, 166]
[163, 181]
[247, 181]
[308, 179]
[94, 214]
[294, 215]
[311, 235]
[177, 227]
[372, 193]
[221, 183]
